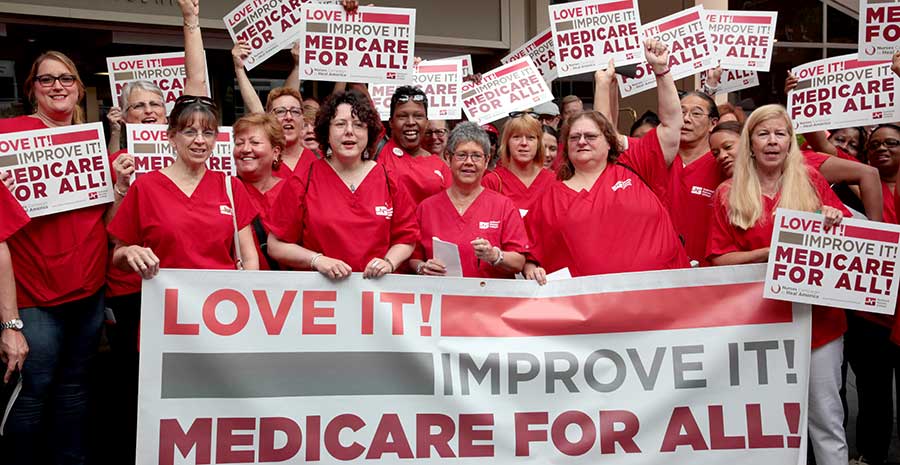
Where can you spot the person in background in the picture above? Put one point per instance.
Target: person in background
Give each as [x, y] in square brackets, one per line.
[548, 114]
[723, 143]
[550, 142]
[570, 105]
[494, 137]
[729, 112]
[13, 346]
[435, 139]
[644, 124]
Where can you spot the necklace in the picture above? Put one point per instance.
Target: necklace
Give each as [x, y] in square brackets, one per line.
[352, 187]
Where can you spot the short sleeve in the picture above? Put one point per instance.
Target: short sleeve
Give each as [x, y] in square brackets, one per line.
[126, 225]
[513, 237]
[285, 220]
[721, 239]
[419, 250]
[13, 217]
[645, 157]
[245, 210]
[404, 227]
[815, 159]
[491, 180]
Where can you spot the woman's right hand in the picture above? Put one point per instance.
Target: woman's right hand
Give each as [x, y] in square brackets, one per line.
[434, 267]
[142, 260]
[114, 116]
[189, 8]
[790, 83]
[7, 179]
[332, 268]
[535, 273]
[240, 52]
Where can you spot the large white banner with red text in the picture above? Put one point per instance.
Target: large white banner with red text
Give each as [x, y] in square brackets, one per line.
[678, 367]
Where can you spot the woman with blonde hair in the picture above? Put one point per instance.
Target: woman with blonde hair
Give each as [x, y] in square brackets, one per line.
[770, 173]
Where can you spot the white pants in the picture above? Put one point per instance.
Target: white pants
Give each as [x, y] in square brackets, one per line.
[826, 414]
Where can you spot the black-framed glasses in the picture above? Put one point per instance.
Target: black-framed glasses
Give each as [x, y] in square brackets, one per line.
[519, 114]
[47, 80]
[887, 143]
[418, 98]
[476, 157]
[189, 99]
[296, 112]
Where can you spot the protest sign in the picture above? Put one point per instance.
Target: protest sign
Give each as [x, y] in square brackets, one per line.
[59, 169]
[679, 367]
[374, 44]
[150, 147]
[166, 70]
[849, 266]
[540, 49]
[842, 92]
[267, 25]
[879, 29]
[466, 63]
[587, 34]
[514, 86]
[690, 50]
[743, 39]
[733, 80]
[441, 81]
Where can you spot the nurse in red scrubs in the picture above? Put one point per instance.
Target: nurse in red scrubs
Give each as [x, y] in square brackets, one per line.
[485, 225]
[13, 346]
[348, 214]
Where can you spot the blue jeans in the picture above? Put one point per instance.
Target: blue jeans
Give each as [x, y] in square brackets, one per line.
[48, 422]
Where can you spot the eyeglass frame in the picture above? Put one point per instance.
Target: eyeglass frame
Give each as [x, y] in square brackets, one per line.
[59, 78]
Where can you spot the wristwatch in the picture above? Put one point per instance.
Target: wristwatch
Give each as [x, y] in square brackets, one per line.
[14, 324]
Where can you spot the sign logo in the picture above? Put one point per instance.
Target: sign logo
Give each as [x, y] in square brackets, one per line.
[751, 63]
[877, 114]
[621, 184]
[384, 211]
[93, 196]
[390, 75]
[776, 288]
[701, 191]
[870, 301]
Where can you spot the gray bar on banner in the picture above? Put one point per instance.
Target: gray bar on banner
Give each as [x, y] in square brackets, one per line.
[565, 26]
[296, 374]
[805, 84]
[790, 238]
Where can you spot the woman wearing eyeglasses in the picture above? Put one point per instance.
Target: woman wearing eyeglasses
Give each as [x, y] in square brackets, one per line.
[347, 214]
[485, 225]
[157, 224]
[435, 140]
[422, 173]
[521, 175]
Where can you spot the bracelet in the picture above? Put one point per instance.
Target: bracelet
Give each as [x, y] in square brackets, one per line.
[192, 27]
[389, 262]
[499, 259]
[117, 191]
[312, 261]
[420, 267]
[659, 75]
[709, 90]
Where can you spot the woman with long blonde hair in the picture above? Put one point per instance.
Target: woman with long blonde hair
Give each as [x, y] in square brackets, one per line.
[770, 173]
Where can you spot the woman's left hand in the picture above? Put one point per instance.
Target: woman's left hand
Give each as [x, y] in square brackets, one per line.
[124, 168]
[377, 268]
[189, 8]
[484, 250]
[833, 217]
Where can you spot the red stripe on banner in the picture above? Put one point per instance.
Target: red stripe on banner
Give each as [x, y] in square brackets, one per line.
[614, 6]
[437, 68]
[514, 68]
[223, 137]
[612, 312]
[385, 18]
[175, 61]
[695, 16]
[751, 19]
[860, 232]
[853, 64]
[547, 36]
[72, 137]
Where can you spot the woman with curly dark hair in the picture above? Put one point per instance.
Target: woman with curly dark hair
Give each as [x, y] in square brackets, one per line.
[347, 214]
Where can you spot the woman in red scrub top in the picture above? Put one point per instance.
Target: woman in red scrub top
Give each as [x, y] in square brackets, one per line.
[770, 173]
[485, 225]
[347, 214]
[13, 346]
[157, 223]
[521, 175]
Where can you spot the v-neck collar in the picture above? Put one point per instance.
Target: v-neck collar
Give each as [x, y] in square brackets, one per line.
[464, 217]
[346, 190]
[172, 186]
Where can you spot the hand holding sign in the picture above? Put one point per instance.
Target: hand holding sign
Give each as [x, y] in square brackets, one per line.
[833, 217]
[240, 52]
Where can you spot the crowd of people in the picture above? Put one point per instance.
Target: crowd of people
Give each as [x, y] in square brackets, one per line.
[329, 188]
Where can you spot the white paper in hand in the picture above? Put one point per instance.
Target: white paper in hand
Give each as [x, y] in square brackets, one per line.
[448, 253]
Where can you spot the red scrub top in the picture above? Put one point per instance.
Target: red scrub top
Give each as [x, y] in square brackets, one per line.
[889, 215]
[503, 181]
[320, 213]
[691, 188]
[14, 217]
[263, 202]
[828, 323]
[422, 176]
[193, 232]
[57, 258]
[307, 157]
[118, 281]
[895, 332]
[491, 216]
[619, 226]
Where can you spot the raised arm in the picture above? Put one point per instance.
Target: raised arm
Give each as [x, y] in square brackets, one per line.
[194, 56]
[293, 79]
[669, 105]
[239, 53]
[606, 100]
[837, 170]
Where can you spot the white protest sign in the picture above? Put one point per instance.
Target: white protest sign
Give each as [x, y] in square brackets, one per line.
[733, 80]
[540, 49]
[268, 25]
[743, 39]
[374, 44]
[879, 29]
[466, 63]
[690, 49]
[150, 147]
[59, 169]
[440, 80]
[587, 34]
[852, 265]
[514, 86]
[166, 70]
[843, 92]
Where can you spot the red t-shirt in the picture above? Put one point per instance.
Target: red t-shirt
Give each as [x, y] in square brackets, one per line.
[691, 188]
[57, 258]
[503, 180]
[14, 216]
[307, 157]
[491, 216]
[193, 232]
[263, 202]
[619, 226]
[422, 176]
[354, 227]
[828, 323]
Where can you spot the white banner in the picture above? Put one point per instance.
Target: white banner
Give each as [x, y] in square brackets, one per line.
[743, 39]
[540, 49]
[268, 25]
[466, 63]
[59, 169]
[733, 80]
[166, 70]
[514, 86]
[879, 29]
[588, 33]
[441, 81]
[849, 266]
[843, 92]
[149, 144]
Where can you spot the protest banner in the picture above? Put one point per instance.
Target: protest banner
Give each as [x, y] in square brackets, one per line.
[588, 33]
[743, 39]
[441, 80]
[848, 266]
[540, 49]
[267, 25]
[690, 50]
[150, 147]
[166, 70]
[59, 169]
[842, 92]
[681, 367]
[733, 80]
[514, 86]
[879, 29]
[466, 63]
[375, 44]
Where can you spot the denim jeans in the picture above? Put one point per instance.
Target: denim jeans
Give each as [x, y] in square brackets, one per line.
[48, 422]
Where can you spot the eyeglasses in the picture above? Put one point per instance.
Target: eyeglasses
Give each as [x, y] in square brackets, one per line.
[296, 112]
[696, 113]
[418, 98]
[47, 80]
[887, 143]
[342, 125]
[474, 156]
[588, 136]
[185, 100]
[193, 133]
[519, 114]
[436, 132]
[152, 105]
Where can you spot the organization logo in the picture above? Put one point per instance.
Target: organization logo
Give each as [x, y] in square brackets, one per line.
[776, 288]
[390, 75]
[225, 210]
[870, 301]
[488, 225]
[93, 196]
[877, 114]
[384, 211]
[701, 191]
[621, 184]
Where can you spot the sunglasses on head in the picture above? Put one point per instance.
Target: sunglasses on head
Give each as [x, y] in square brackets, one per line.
[418, 98]
[519, 114]
[189, 99]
